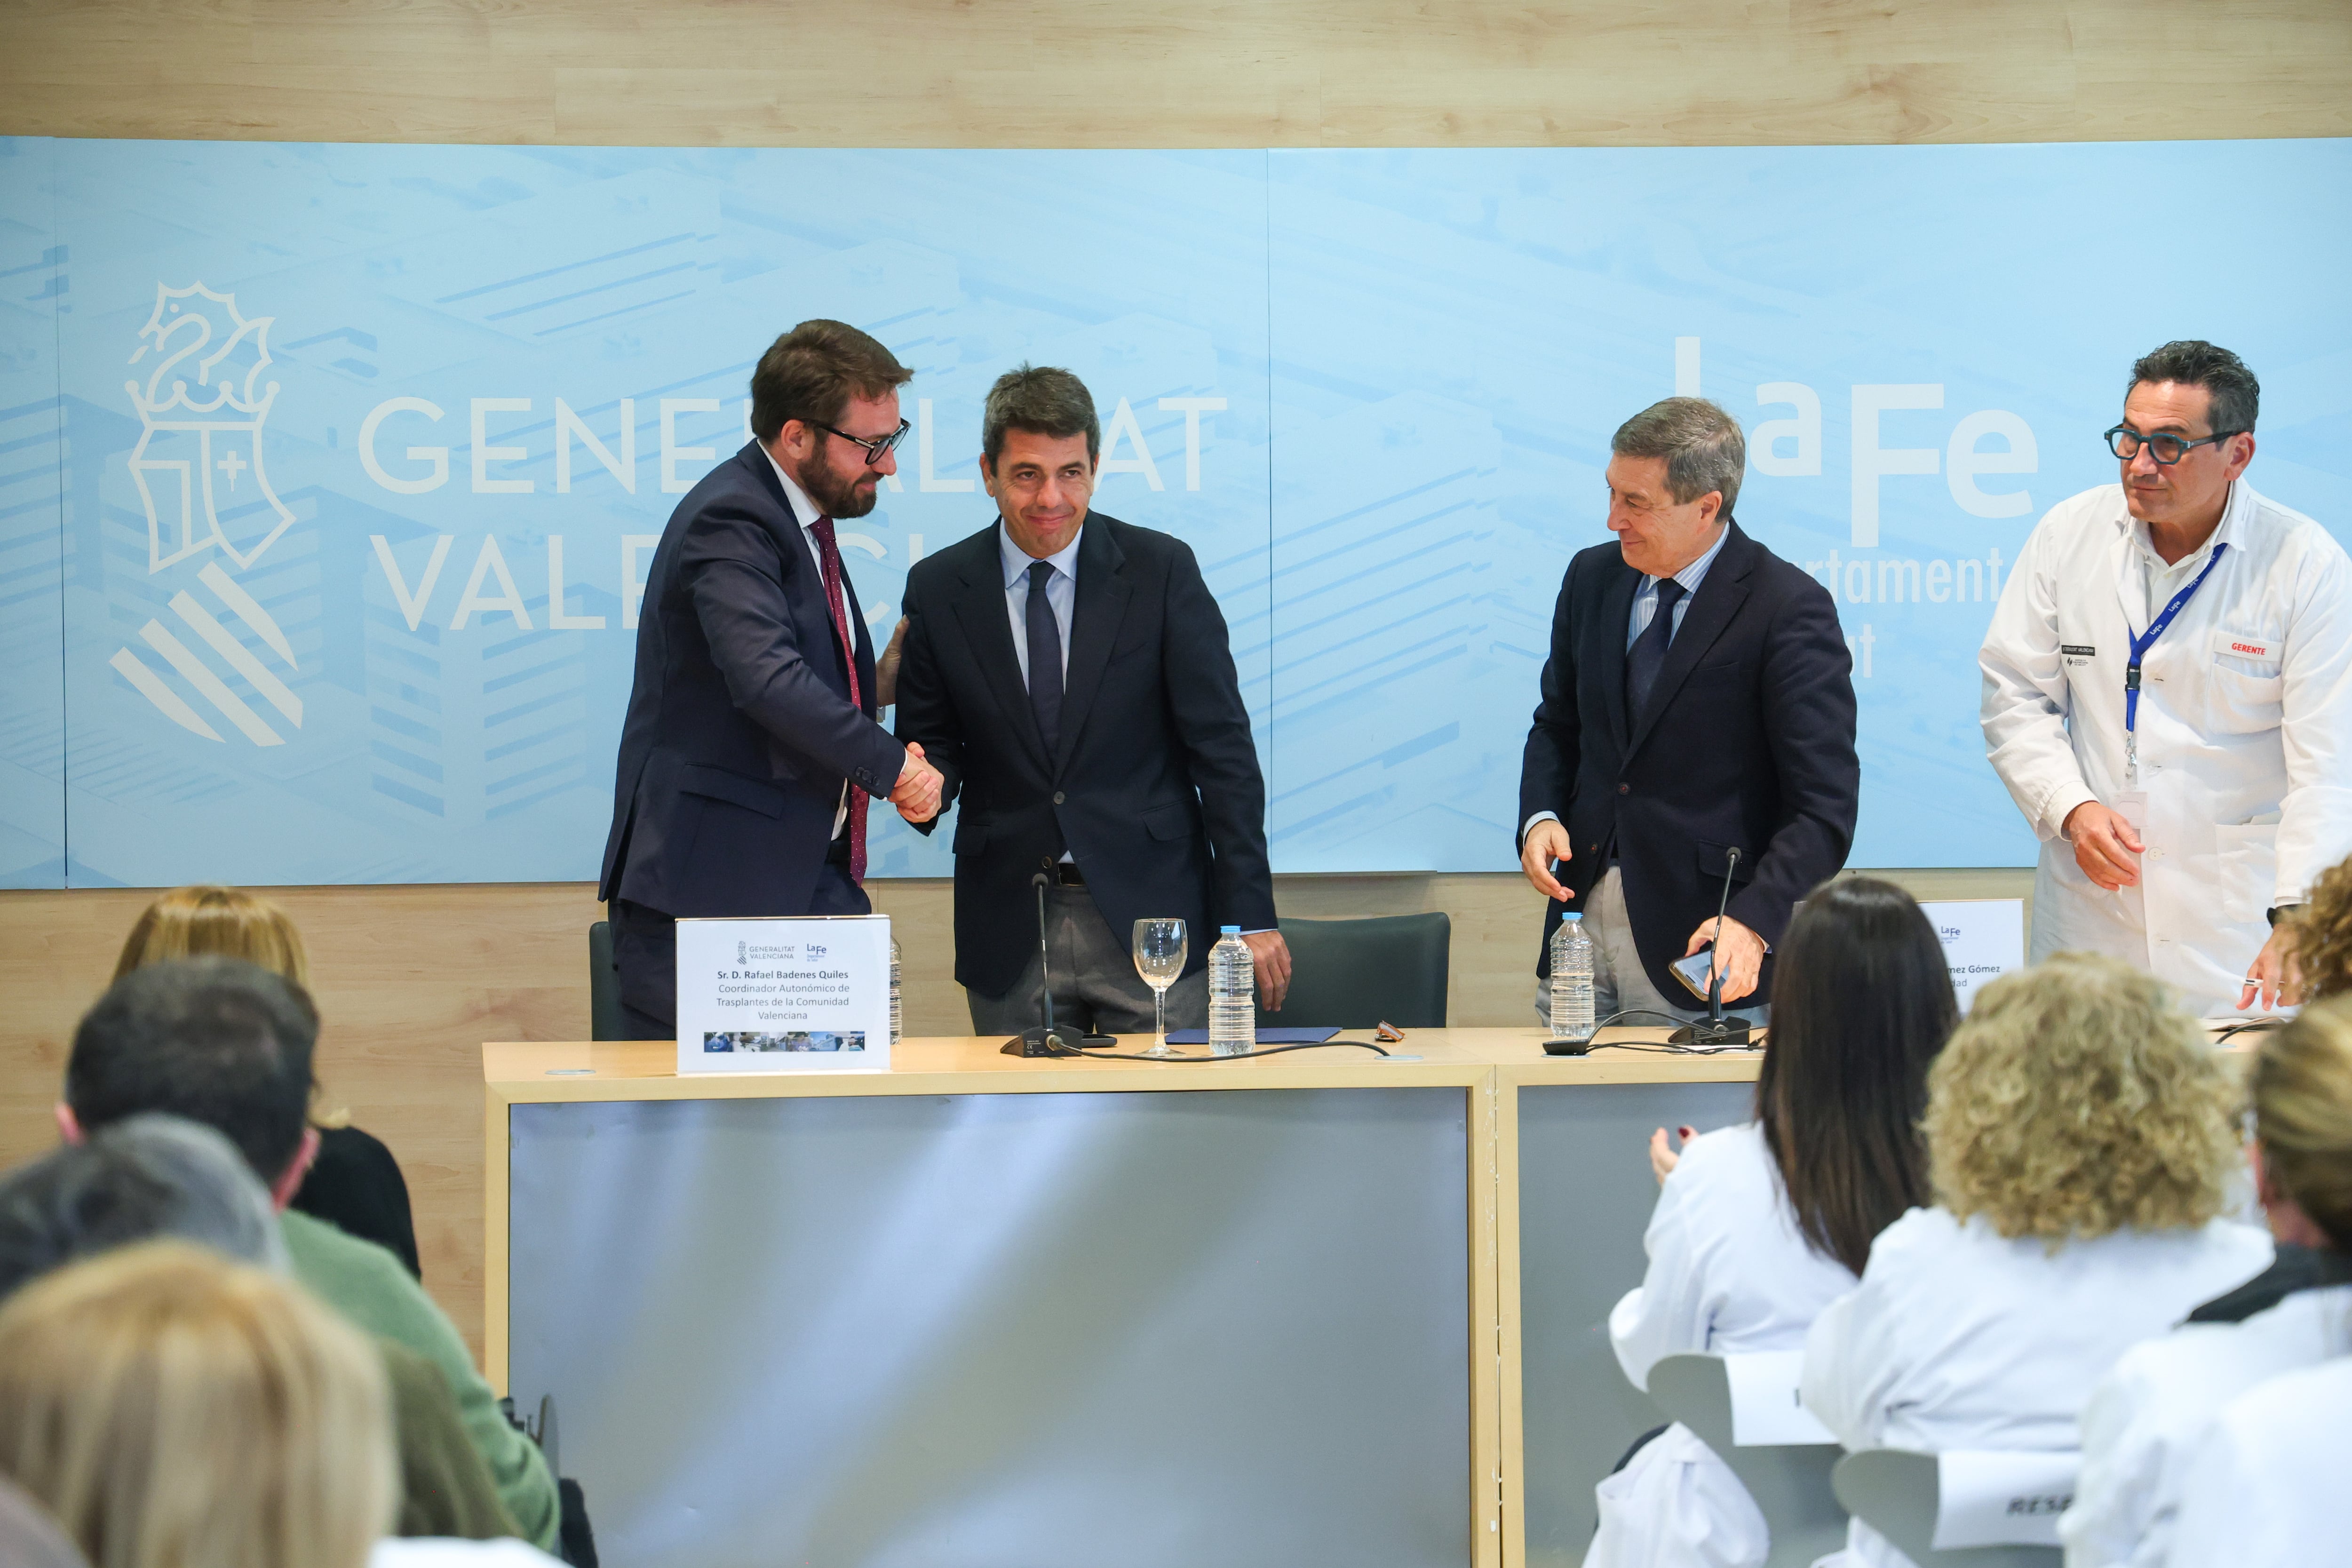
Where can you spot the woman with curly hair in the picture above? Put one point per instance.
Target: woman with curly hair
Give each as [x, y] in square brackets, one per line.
[2141, 1429]
[2319, 937]
[2081, 1137]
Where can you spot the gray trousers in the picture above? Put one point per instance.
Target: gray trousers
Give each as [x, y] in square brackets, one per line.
[1095, 986]
[1618, 981]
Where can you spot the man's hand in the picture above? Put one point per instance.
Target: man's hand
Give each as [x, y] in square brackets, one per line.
[917, 794]
[885, 669]
[1547, 841]
[2106, 846]
[1270, 957]
[2273, 978]
[1738, 955]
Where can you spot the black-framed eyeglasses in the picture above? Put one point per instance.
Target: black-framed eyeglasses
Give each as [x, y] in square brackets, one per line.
[877, 448]
[2126, 442]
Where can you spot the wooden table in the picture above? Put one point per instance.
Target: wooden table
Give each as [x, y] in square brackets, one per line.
[1284, 1309]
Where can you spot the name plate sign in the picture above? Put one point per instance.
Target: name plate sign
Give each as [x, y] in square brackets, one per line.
[784, 995]
[1983, 939]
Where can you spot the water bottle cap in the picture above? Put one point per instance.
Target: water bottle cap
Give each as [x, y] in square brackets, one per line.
[1574, 915]
[1229, 930]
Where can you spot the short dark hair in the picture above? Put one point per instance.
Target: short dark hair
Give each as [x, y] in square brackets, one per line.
[812, 371]
[147, 1176]
[1702, 445]
[220, 1041]
[1042, 400]
[2236, 396]
[1861, 1004]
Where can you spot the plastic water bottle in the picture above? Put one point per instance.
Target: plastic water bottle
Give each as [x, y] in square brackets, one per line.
[898, 1009]
[1233, 995]
[1571, 979]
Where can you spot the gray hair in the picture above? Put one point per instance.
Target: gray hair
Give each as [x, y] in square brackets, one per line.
[1701, 444]
[145, 1176]
[1041, 399]
[2236, 396]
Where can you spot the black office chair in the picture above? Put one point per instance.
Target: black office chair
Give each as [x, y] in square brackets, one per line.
[603, 985]
[1354, 974]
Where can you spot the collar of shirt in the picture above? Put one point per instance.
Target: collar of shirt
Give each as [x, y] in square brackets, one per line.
[1645, 598]
[1693, 575]
[804, 511]
[2158, 581]
[1018, 561]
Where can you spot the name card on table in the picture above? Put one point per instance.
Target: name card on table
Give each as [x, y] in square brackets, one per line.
[784, 995]
[1989, 1497]
[1765, 1410]
[1984, 939]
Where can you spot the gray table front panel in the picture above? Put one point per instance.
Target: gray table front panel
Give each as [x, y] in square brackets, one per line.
[1585, 1196]
[1012, 1330]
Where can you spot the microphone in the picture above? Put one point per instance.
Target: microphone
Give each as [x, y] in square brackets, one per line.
[1048, 1039]
[1717, 1030]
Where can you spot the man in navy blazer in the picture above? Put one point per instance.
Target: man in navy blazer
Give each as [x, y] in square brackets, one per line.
[1698, 698]
[750, 744]
[1070, 676]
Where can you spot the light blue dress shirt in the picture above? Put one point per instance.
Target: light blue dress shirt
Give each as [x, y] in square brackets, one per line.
[1061, 594]
[1645, 598]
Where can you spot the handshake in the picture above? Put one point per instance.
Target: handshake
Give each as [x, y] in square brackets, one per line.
[917, 792]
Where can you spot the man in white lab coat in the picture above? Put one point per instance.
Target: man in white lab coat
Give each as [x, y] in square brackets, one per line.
[2167, 694]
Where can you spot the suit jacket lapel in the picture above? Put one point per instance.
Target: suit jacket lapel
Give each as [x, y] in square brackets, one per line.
[1103, 592]
[980, 610]
[1719, 598]
[1616, 611]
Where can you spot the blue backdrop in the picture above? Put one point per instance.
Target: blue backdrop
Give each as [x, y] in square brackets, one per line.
[328, 474]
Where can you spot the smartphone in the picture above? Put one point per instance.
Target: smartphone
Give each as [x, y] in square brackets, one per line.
[1692, 971]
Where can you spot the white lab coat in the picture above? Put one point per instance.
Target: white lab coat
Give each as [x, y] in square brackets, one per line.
[1728, 1272]
[2268, 1483]
[2245, 731]
[1957, 1339]
[2148, 1415]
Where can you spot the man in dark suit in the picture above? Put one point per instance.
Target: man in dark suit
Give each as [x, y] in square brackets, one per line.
[1070, 675]
[750, 745]
[1698, 698]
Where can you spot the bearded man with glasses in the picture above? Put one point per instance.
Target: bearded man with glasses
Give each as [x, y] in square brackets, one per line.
[2167, 694]
[751, 743]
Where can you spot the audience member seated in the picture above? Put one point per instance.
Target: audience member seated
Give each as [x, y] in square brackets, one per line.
[2081, 1138]
[174, 1409]
[354, 1184]
[160, 1176]
[1762, 1225]
[2266, 1483]
[2147, 1415]
[228, 1044]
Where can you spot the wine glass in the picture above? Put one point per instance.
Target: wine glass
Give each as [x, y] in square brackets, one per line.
[1160, 958]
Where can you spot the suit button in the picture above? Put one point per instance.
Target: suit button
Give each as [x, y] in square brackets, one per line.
[1593, 849]
[1057, 797]
[1624, 789]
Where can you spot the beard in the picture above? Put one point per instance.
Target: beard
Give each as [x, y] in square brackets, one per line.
[838, 497]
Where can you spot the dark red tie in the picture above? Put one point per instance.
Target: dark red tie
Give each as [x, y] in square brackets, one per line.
[836, 601]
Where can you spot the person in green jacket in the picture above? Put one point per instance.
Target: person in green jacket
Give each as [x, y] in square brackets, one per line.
[229, 1045]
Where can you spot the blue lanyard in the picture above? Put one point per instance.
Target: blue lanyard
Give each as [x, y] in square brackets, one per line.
[2146, 640]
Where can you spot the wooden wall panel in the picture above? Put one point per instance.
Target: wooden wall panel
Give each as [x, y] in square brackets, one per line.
[1181, 73]
[411, 980]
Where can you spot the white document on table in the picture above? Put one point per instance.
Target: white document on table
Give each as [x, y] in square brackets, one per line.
[1766, 1411]
[786, 994]
[2002, 1498]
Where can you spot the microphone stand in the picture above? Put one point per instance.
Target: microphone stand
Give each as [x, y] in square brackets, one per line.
[1717, 1030]
[1049, 1039]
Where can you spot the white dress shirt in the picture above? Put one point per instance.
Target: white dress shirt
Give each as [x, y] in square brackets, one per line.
[1061, 594]
[805, 512]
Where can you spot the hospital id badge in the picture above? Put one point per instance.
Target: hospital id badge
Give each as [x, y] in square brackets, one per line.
[2132, 806]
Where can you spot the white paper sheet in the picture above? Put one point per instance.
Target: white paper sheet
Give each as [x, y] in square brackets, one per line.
[1998, 1497]
[784, 995]
[1765, 1410]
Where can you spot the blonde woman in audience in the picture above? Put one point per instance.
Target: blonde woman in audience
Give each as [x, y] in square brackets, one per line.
[355, 1184]
[2320, 948]
[2145, 1417]
[174, 1409]
[2266, 1483]
[1759, 1226]
[2081, 1135]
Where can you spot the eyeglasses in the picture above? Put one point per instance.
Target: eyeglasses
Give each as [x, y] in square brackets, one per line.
[2126, 442]
[877, 448]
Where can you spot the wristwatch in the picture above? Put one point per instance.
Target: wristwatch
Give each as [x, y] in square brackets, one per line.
[2278, 912]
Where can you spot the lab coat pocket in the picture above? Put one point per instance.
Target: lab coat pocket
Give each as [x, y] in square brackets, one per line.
[2243, 696]
[2248, 865]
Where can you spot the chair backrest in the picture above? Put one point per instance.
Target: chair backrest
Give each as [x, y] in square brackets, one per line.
[1790, 1485]
[603, 984]
[1898, 1494]
[1353, 974]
